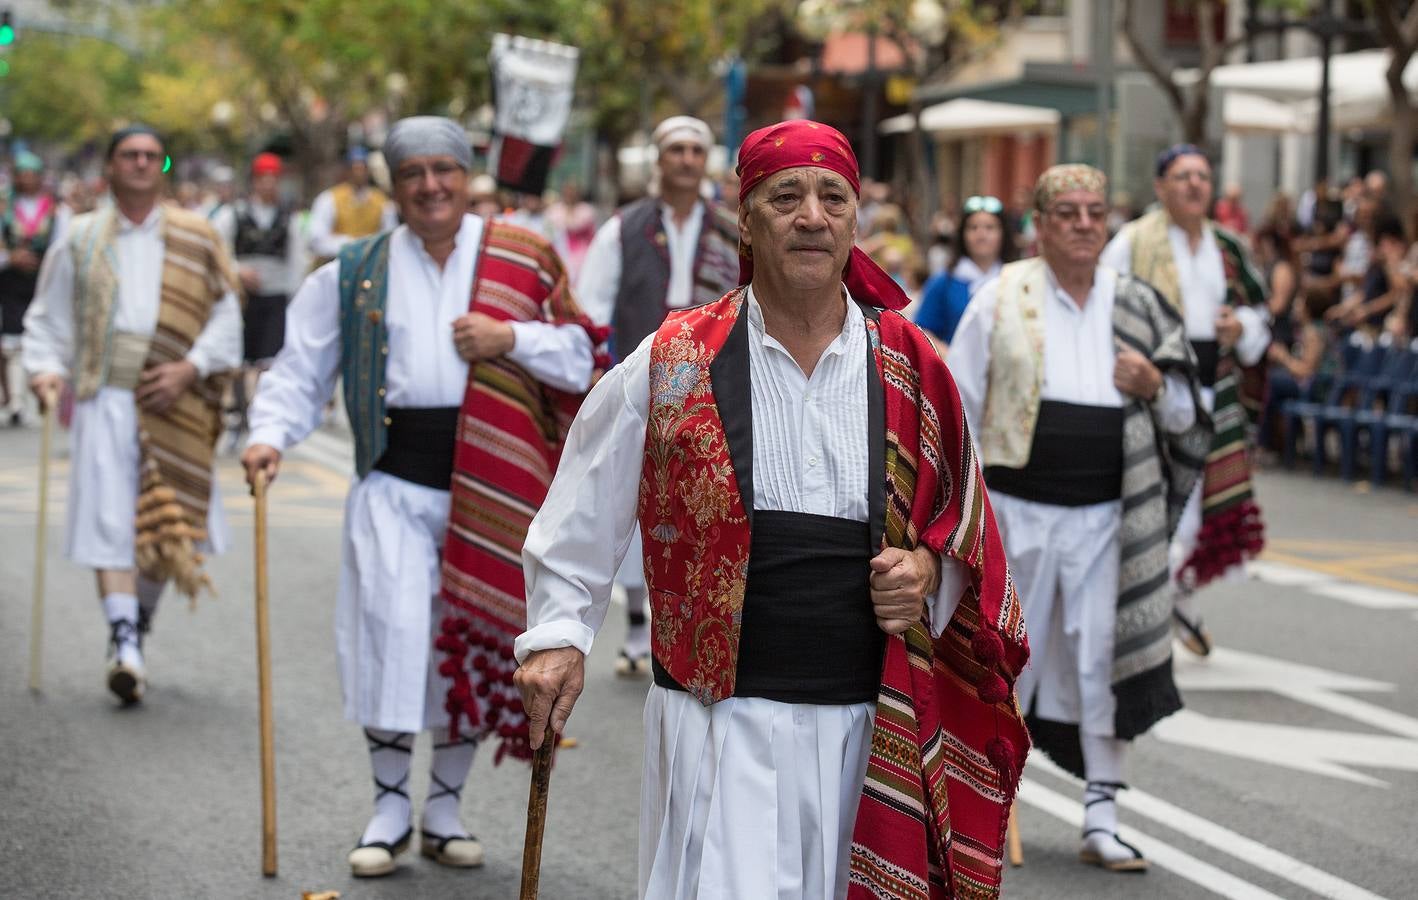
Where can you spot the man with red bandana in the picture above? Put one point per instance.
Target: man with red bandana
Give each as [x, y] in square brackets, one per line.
[835, 632]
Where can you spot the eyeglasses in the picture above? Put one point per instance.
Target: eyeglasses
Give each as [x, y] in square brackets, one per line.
[1069, 212]
[1183, 177]
[135, 155]
[443, 170]
[983, 204]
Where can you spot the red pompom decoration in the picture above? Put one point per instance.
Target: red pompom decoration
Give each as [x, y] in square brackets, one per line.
[484, 689]
[448, 668]
[516, 706]
[505, 651]
[462, 625]
[992, 689]
[489, 642]
[987, 647]
[1000, 753]
[480, 662]
[449, 625]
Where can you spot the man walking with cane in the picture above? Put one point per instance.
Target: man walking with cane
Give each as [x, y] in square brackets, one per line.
[136, 307]
[463, 359]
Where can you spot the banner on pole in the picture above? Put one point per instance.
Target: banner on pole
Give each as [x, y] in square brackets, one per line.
[533, 86]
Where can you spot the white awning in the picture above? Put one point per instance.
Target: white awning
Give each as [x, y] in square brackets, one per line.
[972, 118]
[1350, 74]
[1252, 113]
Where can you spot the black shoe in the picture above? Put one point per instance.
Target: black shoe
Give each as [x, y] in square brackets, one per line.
[1193, 635]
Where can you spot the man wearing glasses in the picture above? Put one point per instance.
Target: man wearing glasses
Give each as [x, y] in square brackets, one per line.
[1083, 391]
[136, 307]
[1206, 274]
[463, 360]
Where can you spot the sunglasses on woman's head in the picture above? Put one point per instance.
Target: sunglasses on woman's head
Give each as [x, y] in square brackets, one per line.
[984, 204]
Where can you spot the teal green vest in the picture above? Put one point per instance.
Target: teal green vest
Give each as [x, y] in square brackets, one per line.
[364, 345]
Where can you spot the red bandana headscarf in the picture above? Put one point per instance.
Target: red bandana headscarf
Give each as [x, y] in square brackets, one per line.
[799, 142]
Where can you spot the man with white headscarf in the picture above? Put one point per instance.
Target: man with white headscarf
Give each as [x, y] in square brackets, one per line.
[664, 252]
[463, 358]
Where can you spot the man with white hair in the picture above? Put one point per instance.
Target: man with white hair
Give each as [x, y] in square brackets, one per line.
[664, 252]
[463, 359]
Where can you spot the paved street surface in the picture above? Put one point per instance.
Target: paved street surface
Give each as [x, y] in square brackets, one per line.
[1293, 771]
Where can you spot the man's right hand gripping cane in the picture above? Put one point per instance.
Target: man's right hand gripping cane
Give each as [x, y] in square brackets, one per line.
[46, 387]
[550, 682]
[261, 458]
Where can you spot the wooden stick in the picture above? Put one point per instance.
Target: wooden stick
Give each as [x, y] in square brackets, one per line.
[1012, 839]
[537, 816]
[37, 610]
[263, 683]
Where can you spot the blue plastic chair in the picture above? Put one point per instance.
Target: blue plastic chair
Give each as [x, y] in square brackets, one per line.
[1392, 385]
[1310, 407]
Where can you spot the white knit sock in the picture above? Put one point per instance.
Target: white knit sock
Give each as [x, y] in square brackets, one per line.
[637, 631]
[1187, 605]
[390, 755]
[1103, 760]
[149, 593]
[122, 612]
[451, 762]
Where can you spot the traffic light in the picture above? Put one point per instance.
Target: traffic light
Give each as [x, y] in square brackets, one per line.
[7, 29]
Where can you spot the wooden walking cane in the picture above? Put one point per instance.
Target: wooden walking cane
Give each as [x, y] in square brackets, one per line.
[263, 686]
[537, 816]
[1012, 839]
[37, 610]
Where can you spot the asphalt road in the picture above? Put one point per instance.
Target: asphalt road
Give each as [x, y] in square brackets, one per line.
[1292, 773]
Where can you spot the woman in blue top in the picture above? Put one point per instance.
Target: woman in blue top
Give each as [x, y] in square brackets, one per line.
[980, 249]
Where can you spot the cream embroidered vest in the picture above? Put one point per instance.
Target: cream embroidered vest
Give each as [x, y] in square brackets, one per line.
[1016, 375]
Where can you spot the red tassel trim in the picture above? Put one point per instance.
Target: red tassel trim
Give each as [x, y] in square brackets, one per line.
[1226, 539]
[479, 661]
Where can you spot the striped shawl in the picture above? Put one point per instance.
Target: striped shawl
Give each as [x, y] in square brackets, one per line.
[176, 447]
[511, 429]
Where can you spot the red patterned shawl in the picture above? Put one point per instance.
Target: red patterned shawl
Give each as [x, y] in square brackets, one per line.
[948, 744]
[511, 429]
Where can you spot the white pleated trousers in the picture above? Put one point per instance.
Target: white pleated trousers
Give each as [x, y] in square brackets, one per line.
[103, 485]
[749, 798]
[1065, 565]
[384, 610]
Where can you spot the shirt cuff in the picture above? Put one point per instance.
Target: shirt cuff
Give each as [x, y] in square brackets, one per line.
[942, 605]
[270, 435]
[198, 358]
[1255, 336]
[553, 635]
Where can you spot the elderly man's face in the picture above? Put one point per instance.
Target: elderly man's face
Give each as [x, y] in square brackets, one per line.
[682, 165]
[1073, 228]
[432, 193]
[1185, 188]
[359, 174]
[799, 224]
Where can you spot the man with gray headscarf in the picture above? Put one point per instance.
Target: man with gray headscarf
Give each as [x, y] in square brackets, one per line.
[1083, 391]
[463, 359]
[671, 250]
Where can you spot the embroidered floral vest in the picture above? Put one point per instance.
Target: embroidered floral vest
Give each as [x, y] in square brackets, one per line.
[694, 520]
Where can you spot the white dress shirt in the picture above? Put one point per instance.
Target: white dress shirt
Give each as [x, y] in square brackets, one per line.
[138, 250]
[1079, 354]
[423, 366]
[810, 446]
[599, 281]
[324, 240]
[1201, 278]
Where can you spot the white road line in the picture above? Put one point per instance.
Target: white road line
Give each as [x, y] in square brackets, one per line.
[1221, 838]
[1332, 587]
[1218, 881]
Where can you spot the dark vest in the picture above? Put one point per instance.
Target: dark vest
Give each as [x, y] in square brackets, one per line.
[640, 304]
[253, 240]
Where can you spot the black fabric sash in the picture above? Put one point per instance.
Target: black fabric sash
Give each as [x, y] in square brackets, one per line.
[809, 633]
[421, 444]
[1076, 458]
[1208, 356]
